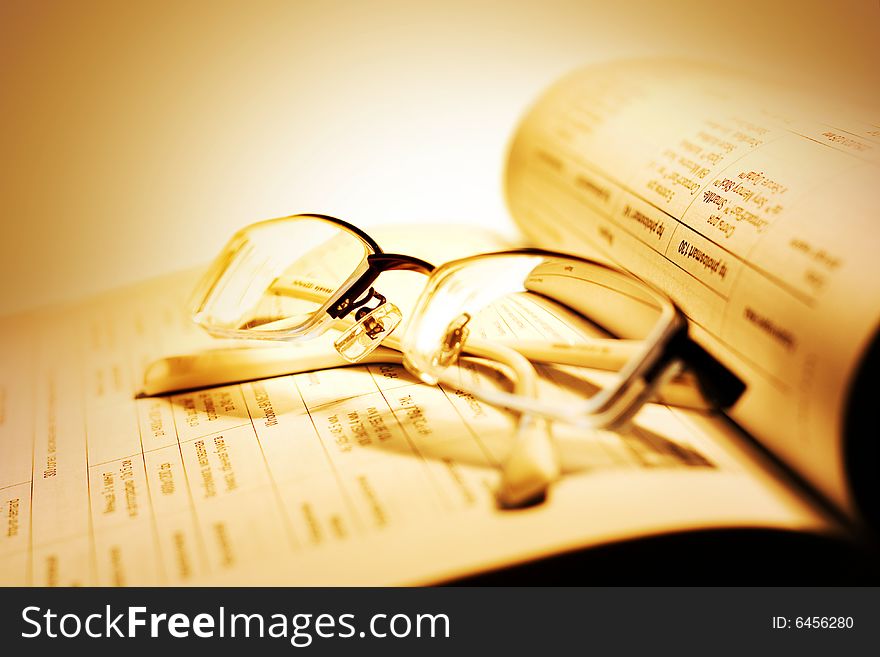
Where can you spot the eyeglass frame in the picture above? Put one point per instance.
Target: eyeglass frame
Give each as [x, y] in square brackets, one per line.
[354, 293]
[718, 385]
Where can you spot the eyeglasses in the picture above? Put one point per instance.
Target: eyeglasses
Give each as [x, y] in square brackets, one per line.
[505, 327]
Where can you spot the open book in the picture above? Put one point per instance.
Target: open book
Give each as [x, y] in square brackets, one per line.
[361, 475]
[756, 215]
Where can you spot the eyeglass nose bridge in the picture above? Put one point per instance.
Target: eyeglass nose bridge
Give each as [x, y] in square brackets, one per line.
[370, 329]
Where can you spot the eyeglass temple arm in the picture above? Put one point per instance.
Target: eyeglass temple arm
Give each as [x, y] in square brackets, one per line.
[721, 387]
[380, 262]
[533, 462]
[226, 365]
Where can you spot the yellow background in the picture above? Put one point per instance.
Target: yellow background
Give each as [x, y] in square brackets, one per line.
[137, 137]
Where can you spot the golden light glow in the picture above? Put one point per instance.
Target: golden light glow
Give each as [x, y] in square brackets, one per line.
[137, 137]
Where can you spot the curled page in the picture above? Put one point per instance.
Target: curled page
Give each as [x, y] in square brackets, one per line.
[758, 218]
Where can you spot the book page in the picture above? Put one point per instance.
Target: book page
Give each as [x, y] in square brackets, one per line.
[355, 475]
[759, 220]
